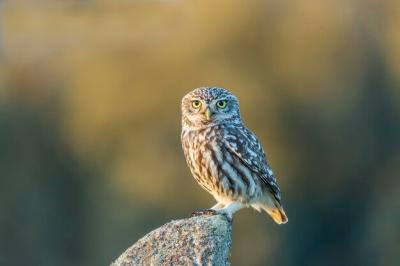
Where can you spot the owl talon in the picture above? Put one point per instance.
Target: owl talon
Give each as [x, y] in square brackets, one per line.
[204, 212]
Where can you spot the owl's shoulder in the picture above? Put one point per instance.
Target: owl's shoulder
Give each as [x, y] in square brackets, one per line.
[239, 133]
[244, 143]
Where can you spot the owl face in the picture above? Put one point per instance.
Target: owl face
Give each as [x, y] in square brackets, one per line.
[208, 106]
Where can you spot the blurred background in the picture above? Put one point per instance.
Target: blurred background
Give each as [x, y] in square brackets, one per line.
[90, 155]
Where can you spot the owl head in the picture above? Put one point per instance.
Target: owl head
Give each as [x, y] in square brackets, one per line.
[208, 106]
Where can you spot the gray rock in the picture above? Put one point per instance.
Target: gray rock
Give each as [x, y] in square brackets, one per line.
[200, 240]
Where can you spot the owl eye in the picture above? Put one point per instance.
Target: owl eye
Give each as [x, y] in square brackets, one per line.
[196, 104]
[221, 104]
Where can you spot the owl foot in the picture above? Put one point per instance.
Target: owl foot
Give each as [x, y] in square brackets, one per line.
[204, 212]
[211, 212]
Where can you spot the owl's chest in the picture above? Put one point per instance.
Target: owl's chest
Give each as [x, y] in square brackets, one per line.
[196, 142]
[201, 152]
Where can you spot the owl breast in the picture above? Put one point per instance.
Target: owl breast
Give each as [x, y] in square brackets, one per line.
[215, 168]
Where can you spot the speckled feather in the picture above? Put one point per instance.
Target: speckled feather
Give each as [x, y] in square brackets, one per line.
[245, 145]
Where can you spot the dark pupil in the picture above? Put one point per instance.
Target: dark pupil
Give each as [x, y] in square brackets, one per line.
[220, 104]
[196, 103]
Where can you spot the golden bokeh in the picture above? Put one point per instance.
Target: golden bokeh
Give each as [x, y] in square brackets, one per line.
[90, 124]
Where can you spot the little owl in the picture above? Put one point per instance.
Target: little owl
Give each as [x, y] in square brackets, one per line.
[225, 157]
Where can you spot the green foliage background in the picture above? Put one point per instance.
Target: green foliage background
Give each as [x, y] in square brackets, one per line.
[90, 156]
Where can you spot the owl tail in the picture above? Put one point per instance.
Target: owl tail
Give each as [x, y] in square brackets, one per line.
[277, 214]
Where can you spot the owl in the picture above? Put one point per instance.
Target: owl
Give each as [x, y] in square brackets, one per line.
[225, 157]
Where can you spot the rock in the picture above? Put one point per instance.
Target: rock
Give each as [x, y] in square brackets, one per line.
[199, 240]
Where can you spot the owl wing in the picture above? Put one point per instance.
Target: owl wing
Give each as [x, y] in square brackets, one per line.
[245, 145]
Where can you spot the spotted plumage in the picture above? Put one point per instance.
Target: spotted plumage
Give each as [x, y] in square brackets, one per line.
[225, 157]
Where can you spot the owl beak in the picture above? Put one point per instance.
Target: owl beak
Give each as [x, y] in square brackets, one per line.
[208, 114]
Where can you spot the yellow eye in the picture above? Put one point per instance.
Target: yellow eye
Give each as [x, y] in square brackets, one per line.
[196, 104]
[221, 104]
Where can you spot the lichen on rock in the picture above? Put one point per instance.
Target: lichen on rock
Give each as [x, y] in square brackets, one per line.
[199, 240]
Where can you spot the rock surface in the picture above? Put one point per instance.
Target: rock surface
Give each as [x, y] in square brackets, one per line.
[199, 240]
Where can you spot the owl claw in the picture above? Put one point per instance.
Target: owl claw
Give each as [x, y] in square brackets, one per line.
[211, 212]
[204, 212]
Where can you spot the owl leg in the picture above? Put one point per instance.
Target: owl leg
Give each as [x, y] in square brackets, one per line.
[231, 208]
[217, 206]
